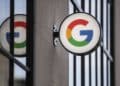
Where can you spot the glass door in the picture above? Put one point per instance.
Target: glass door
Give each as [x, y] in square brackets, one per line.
[16, 39]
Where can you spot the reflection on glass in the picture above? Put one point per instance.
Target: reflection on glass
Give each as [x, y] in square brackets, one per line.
[19, 74]
[4, 63]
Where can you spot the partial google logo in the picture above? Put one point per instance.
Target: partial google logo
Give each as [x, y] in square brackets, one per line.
[19, 35]
[80, 33]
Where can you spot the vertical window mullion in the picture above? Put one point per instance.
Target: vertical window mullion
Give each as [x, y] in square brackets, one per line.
[112, 51]
[90, 80]
[107, 31]
[78, 70]
[82, 56]
[11, 64]
[109, 42]
[96, 52]
[74, 59]
[74, 71]
[102, 81]
[30, 42]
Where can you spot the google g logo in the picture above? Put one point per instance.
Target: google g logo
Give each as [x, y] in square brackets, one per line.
[88, 33]
[19, 35]
[79, 33]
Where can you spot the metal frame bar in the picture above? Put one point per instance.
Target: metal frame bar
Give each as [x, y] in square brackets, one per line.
[96, 59]
[102, 56]
[90, 80]
[74, 70]
[83, 57]
[107, 41]
[74, 61]
[30, 42]
[29, 79]
[82, 70]
[112, 43]
[11, 64]
[11, 57]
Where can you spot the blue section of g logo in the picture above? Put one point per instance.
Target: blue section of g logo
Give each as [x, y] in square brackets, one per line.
[16, 34]
[88, 33]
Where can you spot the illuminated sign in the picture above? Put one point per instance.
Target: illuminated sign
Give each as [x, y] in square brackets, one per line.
[19, 35]
[80, 33]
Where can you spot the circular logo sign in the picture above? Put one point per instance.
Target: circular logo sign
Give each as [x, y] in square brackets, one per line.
[79, 33]
[19, 35]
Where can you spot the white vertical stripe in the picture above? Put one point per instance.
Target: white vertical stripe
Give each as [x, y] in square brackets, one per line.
[78, 3]
[105, 70]
[93, 7]
[93, 69]
[99, 11]
[78, 62]
[87, 57]
[93, 54]
[105, 40]
[86, 71]
[20, 8]
[99, 66]
[105, 23]
[70, 55]
[99, 48]
[70, 7]
[87, 6]
[109, 29]
[70, 69]
[18, 72]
